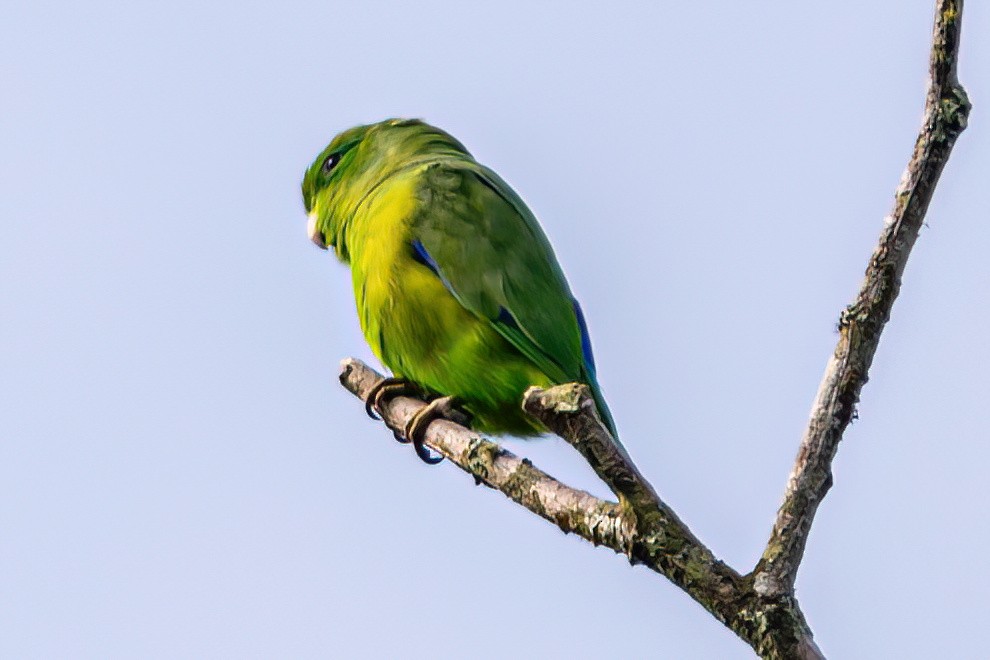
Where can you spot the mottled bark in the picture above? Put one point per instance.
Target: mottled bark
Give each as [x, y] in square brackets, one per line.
[760, 607]
[860, 325]
[573, 510]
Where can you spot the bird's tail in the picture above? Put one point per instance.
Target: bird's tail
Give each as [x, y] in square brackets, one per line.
[603, 412]
[606, 416]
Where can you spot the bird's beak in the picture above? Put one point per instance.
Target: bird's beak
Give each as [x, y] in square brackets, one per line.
[315, 234]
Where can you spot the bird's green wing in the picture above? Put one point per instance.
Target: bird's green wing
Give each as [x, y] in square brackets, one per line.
[479, 237]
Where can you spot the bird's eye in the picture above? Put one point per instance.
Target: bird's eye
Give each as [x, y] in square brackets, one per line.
[331, 162]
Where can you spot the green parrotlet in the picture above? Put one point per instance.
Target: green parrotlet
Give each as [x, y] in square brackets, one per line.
[457, 288]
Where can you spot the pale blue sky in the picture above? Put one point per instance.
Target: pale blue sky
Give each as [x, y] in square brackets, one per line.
[181, 476]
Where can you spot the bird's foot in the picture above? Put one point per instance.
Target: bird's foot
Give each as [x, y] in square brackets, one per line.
[415, 431]
[386, 389]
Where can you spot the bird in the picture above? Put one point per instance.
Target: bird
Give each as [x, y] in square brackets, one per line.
[457, 288]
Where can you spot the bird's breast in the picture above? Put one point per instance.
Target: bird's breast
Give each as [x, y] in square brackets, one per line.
[410, 320]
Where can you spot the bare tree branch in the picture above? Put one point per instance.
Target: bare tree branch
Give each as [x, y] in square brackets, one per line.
[643, 528]
[759, 607]
[569, 411]
[661, 540]
[570, 509]
[774, 627]
[946, 112]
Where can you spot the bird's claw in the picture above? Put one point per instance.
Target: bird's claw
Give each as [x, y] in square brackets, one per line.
[426, 455]
[386, 389]
[415, 431]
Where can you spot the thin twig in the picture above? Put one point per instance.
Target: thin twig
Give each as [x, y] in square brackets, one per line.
[946, 112]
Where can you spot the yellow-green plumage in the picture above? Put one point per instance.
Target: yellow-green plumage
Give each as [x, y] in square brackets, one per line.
[457, 288]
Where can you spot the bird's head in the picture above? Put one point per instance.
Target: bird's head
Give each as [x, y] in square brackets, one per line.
[358, 160]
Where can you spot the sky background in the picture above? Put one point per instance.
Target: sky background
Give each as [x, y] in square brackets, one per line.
[181, 475]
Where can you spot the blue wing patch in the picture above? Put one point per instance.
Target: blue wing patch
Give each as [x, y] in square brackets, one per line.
[589, 358]
[422, 256]
[508, 319]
